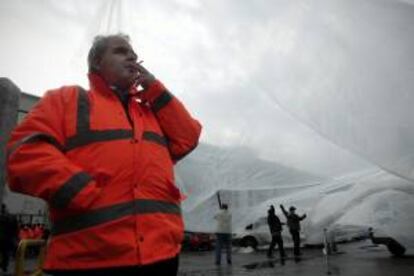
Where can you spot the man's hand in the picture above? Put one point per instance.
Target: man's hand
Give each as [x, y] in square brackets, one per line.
[145, 78]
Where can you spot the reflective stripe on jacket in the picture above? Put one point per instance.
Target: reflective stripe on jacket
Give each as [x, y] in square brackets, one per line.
[108, 180]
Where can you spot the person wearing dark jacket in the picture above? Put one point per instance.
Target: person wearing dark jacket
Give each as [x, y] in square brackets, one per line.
[293, 222]
[8, 237]
[275, 227]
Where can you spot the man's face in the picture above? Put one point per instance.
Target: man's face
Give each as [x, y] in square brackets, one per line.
[118, 64]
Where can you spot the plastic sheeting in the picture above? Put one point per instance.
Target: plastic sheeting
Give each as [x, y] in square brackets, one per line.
[302, 102]
[356, 76]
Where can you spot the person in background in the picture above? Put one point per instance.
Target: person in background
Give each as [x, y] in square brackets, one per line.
[223, 234]
[8, 236]
[103, 161]
[395, 248]
[26, 232]
[293, 222]
[38, 231]
[275, 227]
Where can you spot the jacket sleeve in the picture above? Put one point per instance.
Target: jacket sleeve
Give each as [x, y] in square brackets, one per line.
[181, 130]
[284, 211]
[37, 164]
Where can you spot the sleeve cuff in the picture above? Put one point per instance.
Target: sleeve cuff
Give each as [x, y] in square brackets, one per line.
[155, 90]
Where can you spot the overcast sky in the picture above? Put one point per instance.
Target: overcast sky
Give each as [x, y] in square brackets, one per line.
[258, 74]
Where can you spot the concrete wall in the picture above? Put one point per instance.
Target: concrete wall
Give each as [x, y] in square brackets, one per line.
[27, 101]
[14, 106]
[9, 103]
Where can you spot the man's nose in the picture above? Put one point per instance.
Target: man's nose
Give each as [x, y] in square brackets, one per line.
[132, 56]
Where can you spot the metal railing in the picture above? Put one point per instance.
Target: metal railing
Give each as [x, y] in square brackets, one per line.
[22, 249]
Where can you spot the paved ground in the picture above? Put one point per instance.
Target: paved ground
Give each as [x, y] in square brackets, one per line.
[353, 260]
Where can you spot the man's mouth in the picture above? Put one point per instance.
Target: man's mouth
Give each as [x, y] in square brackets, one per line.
[131, 68]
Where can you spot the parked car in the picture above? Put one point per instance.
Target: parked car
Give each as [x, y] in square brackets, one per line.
[257, 234]
[197, 241]
[254, 234]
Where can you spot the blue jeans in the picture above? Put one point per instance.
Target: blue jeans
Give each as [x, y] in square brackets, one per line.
[223, 241]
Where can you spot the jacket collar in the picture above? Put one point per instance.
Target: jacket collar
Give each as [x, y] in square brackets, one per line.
[98, 84]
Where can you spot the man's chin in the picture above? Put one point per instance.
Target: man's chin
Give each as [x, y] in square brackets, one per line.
[126, 83]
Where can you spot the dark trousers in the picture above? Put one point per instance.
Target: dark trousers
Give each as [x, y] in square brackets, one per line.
[223, 240]
[276, 239]
[6, 250]
[165, 268]
[296, 242]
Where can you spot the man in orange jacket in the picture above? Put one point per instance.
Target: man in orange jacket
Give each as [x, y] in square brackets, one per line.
[103, 160]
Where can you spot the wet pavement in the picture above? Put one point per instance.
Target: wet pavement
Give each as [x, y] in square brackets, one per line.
[353, 259]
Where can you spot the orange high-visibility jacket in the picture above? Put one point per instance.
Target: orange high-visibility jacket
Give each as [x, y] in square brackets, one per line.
[107, 177]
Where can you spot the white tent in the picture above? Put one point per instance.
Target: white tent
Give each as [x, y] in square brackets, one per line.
[302, 102]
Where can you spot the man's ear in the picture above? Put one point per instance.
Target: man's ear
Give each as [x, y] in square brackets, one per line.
[96, 66]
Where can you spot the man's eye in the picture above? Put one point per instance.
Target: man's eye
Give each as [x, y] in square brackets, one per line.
[120, 51]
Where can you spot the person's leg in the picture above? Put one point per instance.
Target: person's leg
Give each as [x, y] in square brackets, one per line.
[5, 257]
[279, 241]
[125, 271]
[295, 250]
[228, 248]
[271, 246]
[165, 268]
[219, 242]
[296, 242]
[77, 273]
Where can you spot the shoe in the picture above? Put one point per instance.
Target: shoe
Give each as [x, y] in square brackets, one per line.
[229, 262]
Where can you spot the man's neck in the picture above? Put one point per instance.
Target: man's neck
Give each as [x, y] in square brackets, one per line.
[120, 91]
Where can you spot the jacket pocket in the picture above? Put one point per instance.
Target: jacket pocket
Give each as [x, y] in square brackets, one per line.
[91, 192]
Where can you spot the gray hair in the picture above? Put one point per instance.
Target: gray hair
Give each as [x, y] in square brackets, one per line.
[99, 46]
